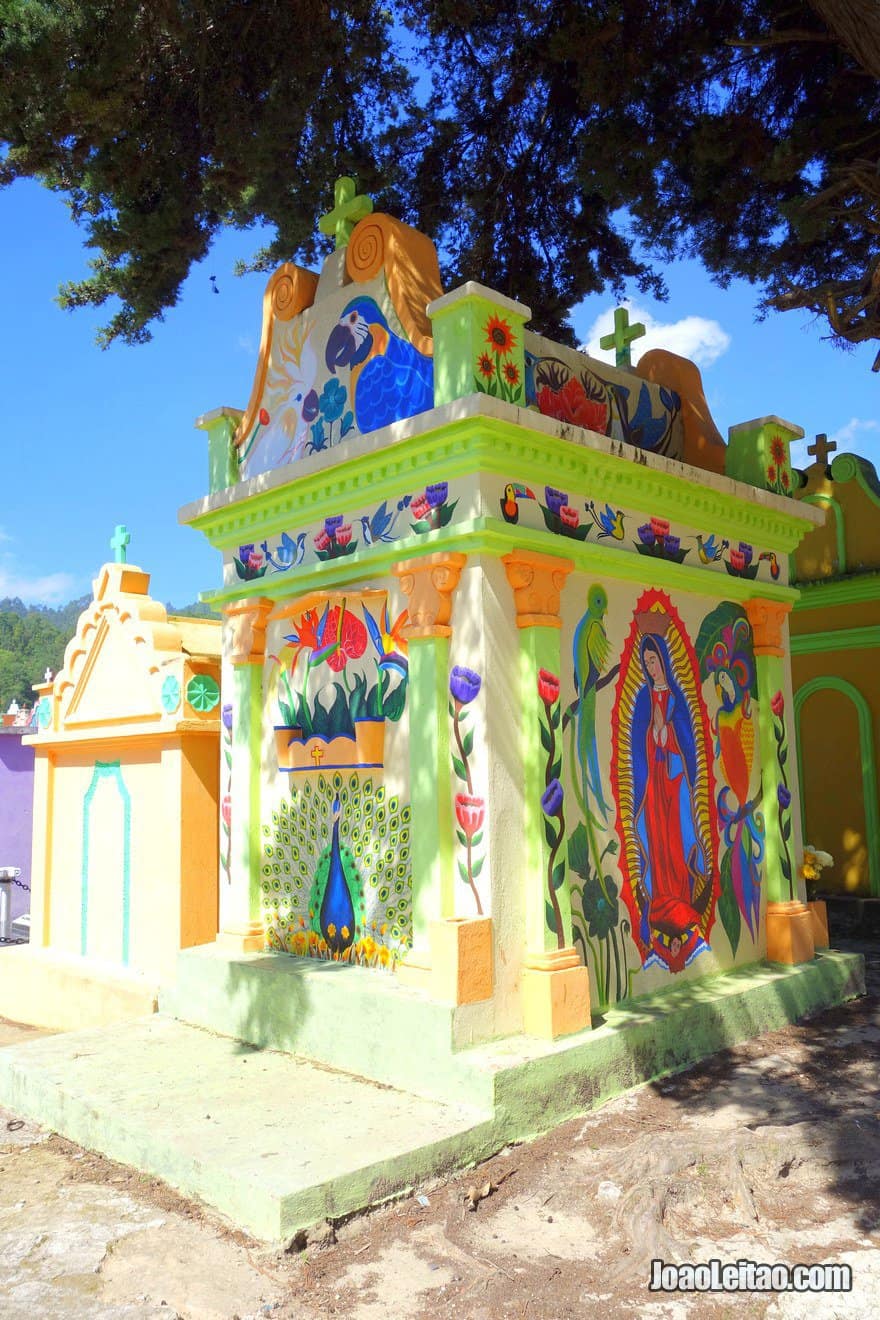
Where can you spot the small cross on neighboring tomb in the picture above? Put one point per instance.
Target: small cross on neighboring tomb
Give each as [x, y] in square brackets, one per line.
[348, 208]
[821, 449]
[622, 336]
[317, 755]
[119, 543]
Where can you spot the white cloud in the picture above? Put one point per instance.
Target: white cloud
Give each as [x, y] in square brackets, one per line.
[247, 345]
[52, 589]
[694, 337]
[4, 536]
[845, 438]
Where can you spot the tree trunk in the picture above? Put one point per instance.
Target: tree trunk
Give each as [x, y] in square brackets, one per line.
[856, 24]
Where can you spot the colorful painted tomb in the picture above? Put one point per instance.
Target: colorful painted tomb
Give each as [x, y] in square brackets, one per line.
[508, 684]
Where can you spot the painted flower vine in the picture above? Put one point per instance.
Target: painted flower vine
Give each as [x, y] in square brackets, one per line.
[552, 800]
[470, 809]
[783, 791]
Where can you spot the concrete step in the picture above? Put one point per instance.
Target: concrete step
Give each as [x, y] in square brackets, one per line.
[272, 1142]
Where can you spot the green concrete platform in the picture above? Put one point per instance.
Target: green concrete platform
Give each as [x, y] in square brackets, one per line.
[276, 1142]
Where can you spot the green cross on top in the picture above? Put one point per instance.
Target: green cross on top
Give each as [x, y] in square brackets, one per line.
[118, 543]
[623, 336]
[348, 208]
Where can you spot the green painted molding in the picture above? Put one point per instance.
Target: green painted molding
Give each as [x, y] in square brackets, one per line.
[496, 537]
[836, 639]
[866, 753]
[106, 770]
[839, 525]
[854, 590]
[482, 441]
[852, 467]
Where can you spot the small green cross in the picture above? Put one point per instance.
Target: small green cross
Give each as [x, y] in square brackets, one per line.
[348, 208]
[118, 543]
[623, 336]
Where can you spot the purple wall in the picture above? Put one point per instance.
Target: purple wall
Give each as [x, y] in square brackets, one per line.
[16, 811]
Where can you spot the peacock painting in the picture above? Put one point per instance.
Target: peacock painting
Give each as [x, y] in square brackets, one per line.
[337, 898]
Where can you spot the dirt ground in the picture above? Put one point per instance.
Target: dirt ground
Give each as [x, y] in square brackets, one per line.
[768, 1152]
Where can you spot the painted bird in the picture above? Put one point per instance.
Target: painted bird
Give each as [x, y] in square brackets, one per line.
[610, 522]
[709, 549]
[509, 507]
[337, 918]
[642, 429]
[288, 554]
[380, 526]
[774, 562]
[591, 651]
[389, 378]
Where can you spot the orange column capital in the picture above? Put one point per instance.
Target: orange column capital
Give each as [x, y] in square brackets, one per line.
[537, 581]
[767, 618]
[247, 620]
[428, 583]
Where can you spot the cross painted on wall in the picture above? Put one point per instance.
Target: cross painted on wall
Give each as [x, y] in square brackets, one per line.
[348, 208]
[119, 543]
[622, 336]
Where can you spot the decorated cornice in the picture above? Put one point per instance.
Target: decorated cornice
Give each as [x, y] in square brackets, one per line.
[836, 639]
[494, 537]
[855, 590]
[481, 434]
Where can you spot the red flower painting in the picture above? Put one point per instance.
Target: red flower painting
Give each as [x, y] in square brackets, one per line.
[352, 639]
[570, 404]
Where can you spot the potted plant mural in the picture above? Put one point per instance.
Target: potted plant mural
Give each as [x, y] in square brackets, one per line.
[339, 721]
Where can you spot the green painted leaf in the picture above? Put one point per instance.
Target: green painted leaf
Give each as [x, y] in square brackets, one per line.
[462, 838]
[556, 768]
[467, 742]
[549, 831]
[458, 767]
[462, 871]
[477, 839]
[550, 917]
[728, 908]
[546, 739]
[477, 866]
[579, 852]
[558, 875]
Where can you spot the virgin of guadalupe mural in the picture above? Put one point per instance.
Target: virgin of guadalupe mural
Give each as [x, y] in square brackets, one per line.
[662, 781]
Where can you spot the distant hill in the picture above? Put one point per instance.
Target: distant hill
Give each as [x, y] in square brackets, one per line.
[33, 638]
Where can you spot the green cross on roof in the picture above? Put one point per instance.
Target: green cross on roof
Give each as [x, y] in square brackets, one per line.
[118, 543]
[349, 207]
[622, 337]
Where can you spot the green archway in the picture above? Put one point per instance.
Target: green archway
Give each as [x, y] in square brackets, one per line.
[866, 752]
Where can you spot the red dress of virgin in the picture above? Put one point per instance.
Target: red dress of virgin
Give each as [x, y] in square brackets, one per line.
[671, 909]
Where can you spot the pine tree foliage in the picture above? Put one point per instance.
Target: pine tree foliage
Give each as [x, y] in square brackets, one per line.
[561, 148]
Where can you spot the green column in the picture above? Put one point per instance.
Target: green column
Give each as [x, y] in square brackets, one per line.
[430, 784]
[539, 651]
[537, 581]
[428, 583]
[221, 425]
[777, 752]
[241, 923]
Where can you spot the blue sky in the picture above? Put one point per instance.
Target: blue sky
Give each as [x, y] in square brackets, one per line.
[94, 438]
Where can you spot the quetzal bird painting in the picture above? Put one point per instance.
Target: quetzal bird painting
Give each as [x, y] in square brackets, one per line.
[726, 654]
[337, 898]
[389, 378]
[591, 650]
